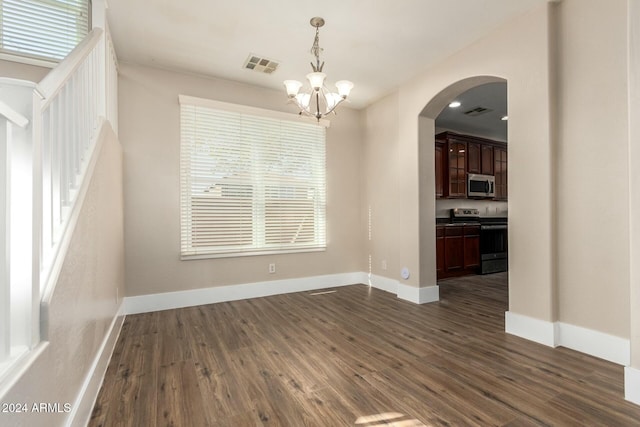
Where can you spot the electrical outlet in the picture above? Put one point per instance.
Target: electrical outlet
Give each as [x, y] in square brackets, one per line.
[272, 268]
[384, 264]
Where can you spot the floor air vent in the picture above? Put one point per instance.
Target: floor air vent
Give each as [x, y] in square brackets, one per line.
[322, 293]
[260, 64]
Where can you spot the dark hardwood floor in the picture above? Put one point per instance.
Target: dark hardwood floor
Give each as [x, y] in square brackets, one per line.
[356, 356]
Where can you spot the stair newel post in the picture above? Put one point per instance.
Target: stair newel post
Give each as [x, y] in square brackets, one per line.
[5, 296]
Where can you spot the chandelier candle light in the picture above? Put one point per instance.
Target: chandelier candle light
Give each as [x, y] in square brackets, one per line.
[317, 101]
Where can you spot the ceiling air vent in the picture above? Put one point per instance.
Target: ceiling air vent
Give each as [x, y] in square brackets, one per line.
[478, 111]
[260, 64]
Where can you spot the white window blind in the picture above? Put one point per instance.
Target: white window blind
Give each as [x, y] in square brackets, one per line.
[250, 184]
[43, 29]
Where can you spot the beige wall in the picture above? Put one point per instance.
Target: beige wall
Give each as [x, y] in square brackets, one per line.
[84, 302]
[381, 195]
[517, 52]
[17, 70]
[634, 169]
[592, 166]
[569, 258]
[150, 134]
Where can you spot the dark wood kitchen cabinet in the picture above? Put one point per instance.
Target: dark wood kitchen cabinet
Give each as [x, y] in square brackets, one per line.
[439, 168]
[480, 158]
[457, 155]
[471, 246]
[500, 171]
[487, 159]
[474, 157]
[439, 250]
[456, 169]
[457, 250]
[453, 249]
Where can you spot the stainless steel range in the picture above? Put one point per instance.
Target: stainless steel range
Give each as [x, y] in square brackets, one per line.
[493, 238]
[493, 247]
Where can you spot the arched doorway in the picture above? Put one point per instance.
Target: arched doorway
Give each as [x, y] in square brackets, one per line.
[427, 131]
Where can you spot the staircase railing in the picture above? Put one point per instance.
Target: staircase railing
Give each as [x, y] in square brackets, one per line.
[67, 110]
[15, 219]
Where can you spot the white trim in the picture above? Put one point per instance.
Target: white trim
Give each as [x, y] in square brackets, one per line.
[13, 116]
[529, 328]
[408, 293]
[418, 295]
[83, 406]
[595, 343]
[382, 283]
[38, 62]
[54, 80]
[632, 384]
[554, 334]
[245, 109]
[194, 297]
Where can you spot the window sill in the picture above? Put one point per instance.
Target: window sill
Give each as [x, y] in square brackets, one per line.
[28, 60]
[250, 253]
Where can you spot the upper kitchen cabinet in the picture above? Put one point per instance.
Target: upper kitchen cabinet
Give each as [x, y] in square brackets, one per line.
[456, 170]
[500, 171]
[486, 155]
[439, 168]
[457, 155]
[474, 157]
[480, 158]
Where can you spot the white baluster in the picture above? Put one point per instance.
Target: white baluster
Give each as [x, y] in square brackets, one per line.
[56, 173]
[47, 184]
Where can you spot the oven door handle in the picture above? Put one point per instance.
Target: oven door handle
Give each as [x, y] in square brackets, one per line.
[493, 227]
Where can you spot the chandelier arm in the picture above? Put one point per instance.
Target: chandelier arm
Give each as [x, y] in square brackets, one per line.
[334, 107]
[330, 109]
[306, 109]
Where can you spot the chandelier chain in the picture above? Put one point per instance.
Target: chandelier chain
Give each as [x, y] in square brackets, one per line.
[316, 50]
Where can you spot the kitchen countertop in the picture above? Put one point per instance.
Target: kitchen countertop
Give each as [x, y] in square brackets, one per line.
[446, 222]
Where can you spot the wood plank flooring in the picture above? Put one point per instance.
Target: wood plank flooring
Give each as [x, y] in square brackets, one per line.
[356, 356]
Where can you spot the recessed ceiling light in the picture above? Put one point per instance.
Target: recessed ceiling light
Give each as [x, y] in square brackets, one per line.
[504, 118]
[455, 104]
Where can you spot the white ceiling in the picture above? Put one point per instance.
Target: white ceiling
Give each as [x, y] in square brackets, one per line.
[377, 44]
[489, 124]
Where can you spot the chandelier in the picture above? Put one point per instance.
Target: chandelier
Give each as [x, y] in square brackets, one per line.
[316, 100]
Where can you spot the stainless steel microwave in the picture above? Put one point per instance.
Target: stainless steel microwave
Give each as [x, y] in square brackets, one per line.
[482, 186]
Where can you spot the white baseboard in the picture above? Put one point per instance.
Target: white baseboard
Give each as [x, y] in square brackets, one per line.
[529, 328]
[595, 343]
[409, 293]
[632, 384]
[382, 283]
[190, 298]
[83, 406]
[418, 295]
[554, 334]
[193, 297]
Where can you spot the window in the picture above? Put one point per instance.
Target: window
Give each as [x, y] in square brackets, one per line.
[42, 29]
[252, 181]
